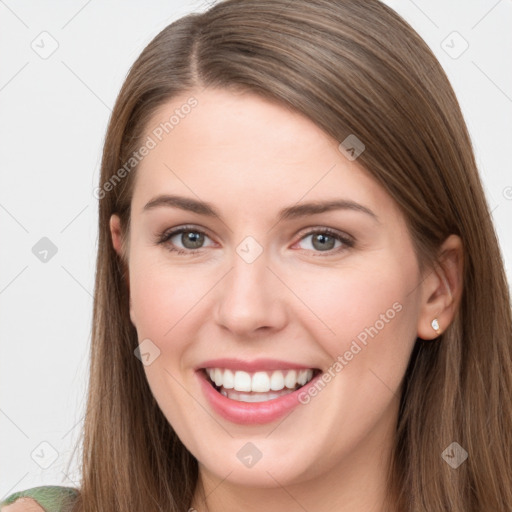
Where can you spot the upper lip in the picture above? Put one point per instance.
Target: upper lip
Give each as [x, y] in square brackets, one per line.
[252, 366]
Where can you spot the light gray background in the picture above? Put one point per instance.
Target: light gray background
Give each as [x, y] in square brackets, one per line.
[53, 116]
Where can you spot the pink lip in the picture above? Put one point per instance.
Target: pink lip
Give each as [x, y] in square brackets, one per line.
[251, 413]
[251, 366]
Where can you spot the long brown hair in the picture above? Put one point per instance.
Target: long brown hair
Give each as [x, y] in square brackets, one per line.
[352, 67]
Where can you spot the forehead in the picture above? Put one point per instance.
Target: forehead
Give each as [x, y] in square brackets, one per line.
[224, 120]
[239, 145]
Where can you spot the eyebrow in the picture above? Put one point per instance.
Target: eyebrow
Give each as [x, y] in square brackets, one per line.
[291, 212]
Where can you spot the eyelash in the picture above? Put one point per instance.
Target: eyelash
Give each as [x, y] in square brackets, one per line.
[164, 237]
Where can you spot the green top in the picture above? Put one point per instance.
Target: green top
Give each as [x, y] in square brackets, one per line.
[52, 498]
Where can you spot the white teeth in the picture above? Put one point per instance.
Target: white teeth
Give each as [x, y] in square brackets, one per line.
[218, 377]
[253, 397]
[242, 381]
[304, 376]
[277, 381]
[228, 380]
[259, 382]
[291, 379]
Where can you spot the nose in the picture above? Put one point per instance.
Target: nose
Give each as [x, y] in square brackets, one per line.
[250, 298]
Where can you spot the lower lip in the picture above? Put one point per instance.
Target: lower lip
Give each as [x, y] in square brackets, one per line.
[252, 413]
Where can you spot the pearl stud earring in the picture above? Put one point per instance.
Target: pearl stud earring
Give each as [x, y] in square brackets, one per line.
[435, 325]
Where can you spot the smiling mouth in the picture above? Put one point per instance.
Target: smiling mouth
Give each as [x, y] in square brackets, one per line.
[260, 386]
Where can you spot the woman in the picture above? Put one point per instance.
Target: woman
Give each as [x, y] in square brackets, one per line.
[300, 300]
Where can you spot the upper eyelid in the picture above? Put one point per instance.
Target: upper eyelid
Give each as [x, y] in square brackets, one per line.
[306, 231]
[167, 233]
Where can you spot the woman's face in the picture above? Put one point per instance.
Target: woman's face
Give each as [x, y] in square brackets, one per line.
[272, 282]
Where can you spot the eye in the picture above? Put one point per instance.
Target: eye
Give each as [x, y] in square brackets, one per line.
[324, 240]
[191, 238]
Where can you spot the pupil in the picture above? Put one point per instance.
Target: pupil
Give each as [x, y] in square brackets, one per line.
[319, 237]
[196, 239]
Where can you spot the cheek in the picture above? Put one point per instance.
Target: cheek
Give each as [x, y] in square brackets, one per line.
[161, 297]
[368, 329]
[163, 302]
[344, 304]
[364, 318]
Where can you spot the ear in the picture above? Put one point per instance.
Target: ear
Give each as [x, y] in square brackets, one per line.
[442, 289]
[117, 241]
[117, 235]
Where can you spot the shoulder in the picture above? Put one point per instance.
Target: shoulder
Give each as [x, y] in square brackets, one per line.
[23, 505]
[46, 498]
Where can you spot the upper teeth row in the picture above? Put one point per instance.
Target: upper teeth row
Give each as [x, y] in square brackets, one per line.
[259, 381]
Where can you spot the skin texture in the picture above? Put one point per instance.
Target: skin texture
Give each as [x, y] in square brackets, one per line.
[23, 505]
[250, 158]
